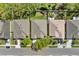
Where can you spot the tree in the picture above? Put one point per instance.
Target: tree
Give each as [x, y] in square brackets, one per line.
[20, 10]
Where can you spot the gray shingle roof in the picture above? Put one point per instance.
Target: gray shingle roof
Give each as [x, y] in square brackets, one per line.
[20, 28]
[72, 28]
[57, 28]
[5, 29]
[38, 28]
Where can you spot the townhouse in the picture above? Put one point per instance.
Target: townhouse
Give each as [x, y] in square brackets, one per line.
[59, 29]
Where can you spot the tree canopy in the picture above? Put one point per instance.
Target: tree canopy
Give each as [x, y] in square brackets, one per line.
[11, 11]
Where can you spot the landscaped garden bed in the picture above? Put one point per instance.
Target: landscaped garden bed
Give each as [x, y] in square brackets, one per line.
[75, 46]
[12, 42]
[12, 46]
[76, 41]
[45, 42]
[2, 42]
[53, 46]
[2, 46]
[26, 43]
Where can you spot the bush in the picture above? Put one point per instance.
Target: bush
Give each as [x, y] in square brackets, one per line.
[50, 40]
[53, 42]
[65, 41]
[75, 41]
[26, 42]
[38, 45]
[41, 43]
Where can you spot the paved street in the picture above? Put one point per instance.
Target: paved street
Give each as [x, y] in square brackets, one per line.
[43, 52]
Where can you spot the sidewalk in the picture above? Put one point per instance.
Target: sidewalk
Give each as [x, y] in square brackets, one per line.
[43, 52]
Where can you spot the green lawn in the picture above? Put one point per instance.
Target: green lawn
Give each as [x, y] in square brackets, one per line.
[12, 46]
[75, 41]
[75, 46]
[2, 42]
[52, 46]
[12, 41]
[2, 46]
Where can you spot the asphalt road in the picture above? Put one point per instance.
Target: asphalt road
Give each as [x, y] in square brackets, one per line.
[43, 52]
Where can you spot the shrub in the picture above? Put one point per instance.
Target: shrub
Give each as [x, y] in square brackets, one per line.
[75, 41]
[26, 42]
[50, 40]
[65, 41]
[53, 42]
[41, 43]
[38, 45]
